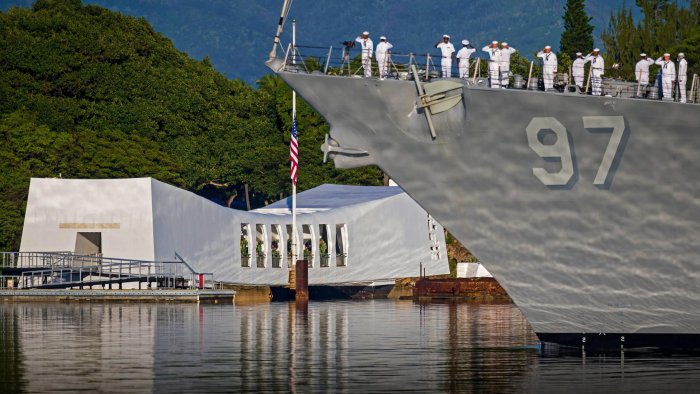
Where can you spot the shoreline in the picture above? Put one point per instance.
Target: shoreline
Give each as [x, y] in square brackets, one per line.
[440, 289]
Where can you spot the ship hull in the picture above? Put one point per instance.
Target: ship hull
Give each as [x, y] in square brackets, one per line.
[590, 253]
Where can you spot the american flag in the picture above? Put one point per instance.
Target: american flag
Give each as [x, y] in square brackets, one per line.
[294, 151]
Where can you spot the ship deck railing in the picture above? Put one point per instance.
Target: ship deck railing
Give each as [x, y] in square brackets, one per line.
[346, 61]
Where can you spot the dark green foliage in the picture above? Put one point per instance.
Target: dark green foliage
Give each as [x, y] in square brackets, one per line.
[565, 63]
[653, 8]
[33, 150]
[453, 267]
[519, 64]
[578, 30]
[691, 47]
[665, 27]
[88, 93]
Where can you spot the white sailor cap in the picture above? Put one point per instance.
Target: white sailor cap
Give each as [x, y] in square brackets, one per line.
[494, 42]
[445, 36]
[579, 54]
[465, 42]
[505, 44]
[382, 38]
[365, 33]
[643, 54]
[596, 50]
[681, 54]
[667, 54]
[547, 47]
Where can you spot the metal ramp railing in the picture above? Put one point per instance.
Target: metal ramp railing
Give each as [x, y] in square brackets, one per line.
[36, 270]
[22, 260]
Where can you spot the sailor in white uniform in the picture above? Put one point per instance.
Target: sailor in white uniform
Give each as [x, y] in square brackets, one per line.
[597, 71]
[367, 48]
[463, 58]
[641, 69]
[383, 56]
[506, 51]
[549, 66]
[682, 76]
[494, 64]
[668, 75]
[447, 50]
[577, 70]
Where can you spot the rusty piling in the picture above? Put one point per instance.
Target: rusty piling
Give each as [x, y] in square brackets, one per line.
[301, 281]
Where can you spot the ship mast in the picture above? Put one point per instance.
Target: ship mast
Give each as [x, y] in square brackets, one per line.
[283, 16]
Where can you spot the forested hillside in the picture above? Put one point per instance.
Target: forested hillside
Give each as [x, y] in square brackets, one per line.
[665, 26]
[237, 34]
[89, 93]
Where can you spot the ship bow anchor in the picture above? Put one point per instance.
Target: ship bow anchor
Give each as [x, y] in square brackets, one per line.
[436, 97]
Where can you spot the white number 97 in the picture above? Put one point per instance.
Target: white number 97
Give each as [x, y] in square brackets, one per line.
[560, 149]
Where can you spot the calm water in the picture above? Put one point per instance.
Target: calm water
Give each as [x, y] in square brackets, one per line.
[369, 346]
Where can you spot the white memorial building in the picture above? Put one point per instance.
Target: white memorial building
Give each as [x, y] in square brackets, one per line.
[349, 234]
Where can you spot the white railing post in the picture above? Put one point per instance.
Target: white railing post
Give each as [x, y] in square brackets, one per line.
[328, 59]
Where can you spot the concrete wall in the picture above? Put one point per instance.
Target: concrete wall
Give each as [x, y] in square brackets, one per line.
[386, 239]
[57, 209]
[205, 234]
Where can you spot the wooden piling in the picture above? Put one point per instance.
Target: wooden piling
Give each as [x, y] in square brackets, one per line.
[301, 281]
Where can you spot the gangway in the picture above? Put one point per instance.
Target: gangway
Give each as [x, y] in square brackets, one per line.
[56, 270]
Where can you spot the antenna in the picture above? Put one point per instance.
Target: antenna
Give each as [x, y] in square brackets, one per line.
[283, 16]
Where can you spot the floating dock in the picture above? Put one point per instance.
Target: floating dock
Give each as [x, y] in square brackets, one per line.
[53, 295]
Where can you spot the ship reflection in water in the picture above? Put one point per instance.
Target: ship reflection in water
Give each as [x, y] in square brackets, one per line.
[323, 346]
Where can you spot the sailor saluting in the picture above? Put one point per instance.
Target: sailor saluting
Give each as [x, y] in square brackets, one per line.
[549, 66]
[383, 56]
[682, 75]
[506, 51]
[494, 64]
[447, 50]
[463, 57]
[668, 75]
[577, 70]
[597, 70]
[367, 49]
[641, 69]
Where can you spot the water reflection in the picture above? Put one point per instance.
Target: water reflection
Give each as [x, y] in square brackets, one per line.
[287, 347]
[11, 363]
[79, 346]
[371, 346]
[481, 338]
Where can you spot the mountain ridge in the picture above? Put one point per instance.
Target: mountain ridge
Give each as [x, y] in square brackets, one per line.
[214, 28]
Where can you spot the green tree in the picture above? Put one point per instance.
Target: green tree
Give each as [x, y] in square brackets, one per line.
[652, 8]
[89, 93]
[691, 47]
[665, 27]
[578, 30]
[519, 64]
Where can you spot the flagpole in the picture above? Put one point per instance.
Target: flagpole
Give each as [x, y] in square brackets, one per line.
[294, 184]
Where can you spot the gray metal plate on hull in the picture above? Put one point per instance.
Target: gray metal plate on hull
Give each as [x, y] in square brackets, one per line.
[621, 256]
